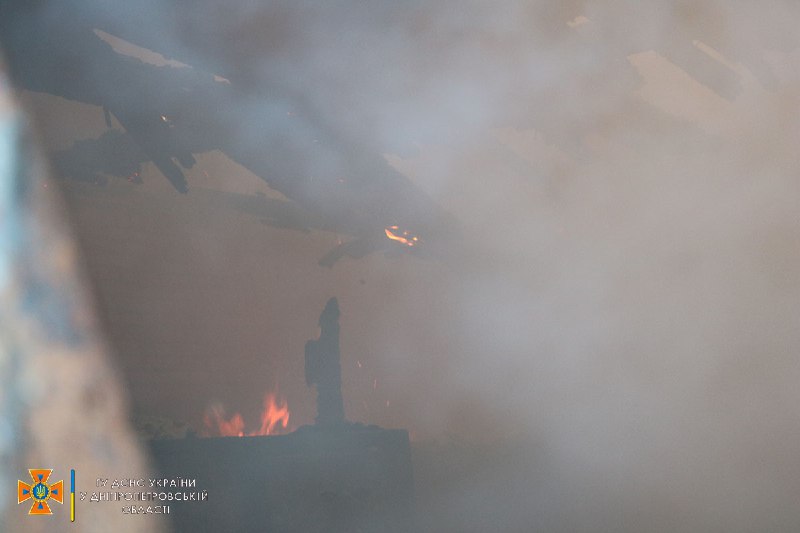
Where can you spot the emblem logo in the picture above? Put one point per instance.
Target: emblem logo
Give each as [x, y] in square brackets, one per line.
[40, 491]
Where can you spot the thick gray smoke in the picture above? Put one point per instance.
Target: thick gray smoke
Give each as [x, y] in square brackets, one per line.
[626, 312]
[628, 303]
[612, 346]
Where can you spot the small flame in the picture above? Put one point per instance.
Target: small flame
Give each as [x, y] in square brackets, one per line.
[401, 236]
[274, 413]
[274, 420]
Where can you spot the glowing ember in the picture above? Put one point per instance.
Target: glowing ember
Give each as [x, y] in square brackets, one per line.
[401, 236]
[274, 420]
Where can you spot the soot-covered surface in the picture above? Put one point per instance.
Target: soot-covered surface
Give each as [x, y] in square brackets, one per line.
[350, 478]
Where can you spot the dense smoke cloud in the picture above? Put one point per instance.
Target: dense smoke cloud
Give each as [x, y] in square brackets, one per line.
[611, 343]
[627, 298]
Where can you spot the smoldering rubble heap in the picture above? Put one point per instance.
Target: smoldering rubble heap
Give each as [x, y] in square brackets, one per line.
[333, 476]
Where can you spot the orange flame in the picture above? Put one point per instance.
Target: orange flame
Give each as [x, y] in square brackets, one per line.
[403, 237]
[274, 413]
[274, 420]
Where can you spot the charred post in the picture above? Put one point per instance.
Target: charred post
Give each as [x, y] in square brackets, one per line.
[323, 367]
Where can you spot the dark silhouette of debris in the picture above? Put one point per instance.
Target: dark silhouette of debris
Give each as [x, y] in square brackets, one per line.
[323, 367]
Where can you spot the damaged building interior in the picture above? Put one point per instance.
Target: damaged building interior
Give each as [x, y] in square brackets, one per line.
[450, 266]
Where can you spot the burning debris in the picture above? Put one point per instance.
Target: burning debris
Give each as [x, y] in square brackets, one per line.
[402, 236]
[334, 476]
[274, 420]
